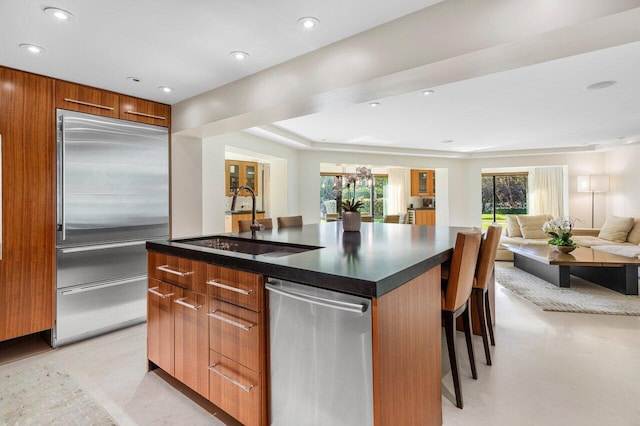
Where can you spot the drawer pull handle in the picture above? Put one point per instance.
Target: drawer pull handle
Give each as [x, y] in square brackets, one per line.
[145, 115]
[228, 287]
[154, 290]
[165, 268]
[182, 302]
[75, 101]
[235, 382]
[213, 314]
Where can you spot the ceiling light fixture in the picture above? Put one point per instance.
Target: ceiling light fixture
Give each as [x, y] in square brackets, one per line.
[374, 104]
[428, 92]
[239, 55]
[32, 48]
[59, 14]
[308, 23]
[601, 85]
[134, 79]
[166, 89]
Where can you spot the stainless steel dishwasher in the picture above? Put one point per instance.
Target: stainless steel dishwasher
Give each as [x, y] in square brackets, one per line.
[321, 368]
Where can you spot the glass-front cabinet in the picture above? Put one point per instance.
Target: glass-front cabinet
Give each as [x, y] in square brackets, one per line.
[423, 183]
[241, 173]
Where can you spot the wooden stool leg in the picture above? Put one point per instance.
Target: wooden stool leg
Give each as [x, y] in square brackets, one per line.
[479, 298]
[487, 305]
[466, 320]
[449, 330]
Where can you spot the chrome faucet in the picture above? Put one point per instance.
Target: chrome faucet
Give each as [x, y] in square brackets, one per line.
[255, 225]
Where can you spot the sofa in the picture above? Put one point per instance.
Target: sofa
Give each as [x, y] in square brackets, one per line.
[618, 235]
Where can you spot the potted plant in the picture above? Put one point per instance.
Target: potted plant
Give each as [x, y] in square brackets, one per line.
[351, 215]
[559, 229]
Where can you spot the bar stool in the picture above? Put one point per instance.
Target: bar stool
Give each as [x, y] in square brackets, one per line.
[484, 272]
[245, 224]
[289, 221]
[455, 301]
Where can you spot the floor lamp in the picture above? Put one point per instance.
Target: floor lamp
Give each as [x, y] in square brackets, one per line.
[593, 184]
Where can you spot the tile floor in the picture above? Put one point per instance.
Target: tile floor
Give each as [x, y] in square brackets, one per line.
[549, 369]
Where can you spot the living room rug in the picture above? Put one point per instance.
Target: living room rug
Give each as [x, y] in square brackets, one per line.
[46, 394]
[581, 297]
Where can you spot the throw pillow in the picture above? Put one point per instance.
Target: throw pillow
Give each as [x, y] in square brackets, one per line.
[634, 234]
[616, 229]
[531, 226]
[513, 227]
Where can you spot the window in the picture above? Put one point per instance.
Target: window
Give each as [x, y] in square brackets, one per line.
[372, 197]
[503, 194]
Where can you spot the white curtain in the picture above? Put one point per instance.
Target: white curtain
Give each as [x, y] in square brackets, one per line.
[545, 191]
[398, 190]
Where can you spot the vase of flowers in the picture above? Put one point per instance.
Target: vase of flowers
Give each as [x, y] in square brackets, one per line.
[559, 229]
[351, 216]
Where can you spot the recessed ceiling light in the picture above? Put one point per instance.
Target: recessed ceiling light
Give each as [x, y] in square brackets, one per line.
[60, 14]
[32, 48]
[447, 141]
[134, 79]
[601, 85]
[374, 104]
[166, 89]
[308, 22]
[428, 92]
[239, 55]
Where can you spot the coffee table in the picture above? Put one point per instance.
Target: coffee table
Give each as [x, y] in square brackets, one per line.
[616, 272]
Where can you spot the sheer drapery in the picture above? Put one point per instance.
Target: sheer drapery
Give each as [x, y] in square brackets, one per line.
[545, 189]
[398, 187]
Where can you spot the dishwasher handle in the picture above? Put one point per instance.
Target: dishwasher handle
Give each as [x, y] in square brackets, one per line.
[359, 308]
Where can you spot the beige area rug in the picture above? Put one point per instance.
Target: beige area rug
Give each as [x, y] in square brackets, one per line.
[581, 297]
[47, 395]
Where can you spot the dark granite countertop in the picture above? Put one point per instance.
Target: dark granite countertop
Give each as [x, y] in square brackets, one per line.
[370, 263]
[242, 212]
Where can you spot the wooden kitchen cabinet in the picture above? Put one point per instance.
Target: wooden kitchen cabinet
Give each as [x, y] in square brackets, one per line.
[237, 287]
[160, 324]
[191, 340]
[241, 173]
[425, 217]
[76, 97]
[143, 111]
[423, 183]
[28, 203]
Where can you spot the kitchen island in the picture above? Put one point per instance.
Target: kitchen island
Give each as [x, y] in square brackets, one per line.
[397, 267]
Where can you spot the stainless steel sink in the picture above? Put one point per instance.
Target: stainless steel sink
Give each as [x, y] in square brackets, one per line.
[254, 247]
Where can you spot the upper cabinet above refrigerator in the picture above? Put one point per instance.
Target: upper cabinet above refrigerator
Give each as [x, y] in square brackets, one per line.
[76, 97]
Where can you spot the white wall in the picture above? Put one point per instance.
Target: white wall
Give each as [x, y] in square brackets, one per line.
[623, 167]
[186, 187]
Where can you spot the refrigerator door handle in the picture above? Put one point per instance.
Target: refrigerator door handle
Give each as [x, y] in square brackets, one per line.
[101, 247]
[329, 303]
[61, 218]
[103, 285]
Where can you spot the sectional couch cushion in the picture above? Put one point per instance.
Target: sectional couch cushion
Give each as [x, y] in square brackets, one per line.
[591, 241]
[513, 227]
[616, 229]
[627, 251]
[634, 234]
[531, 226]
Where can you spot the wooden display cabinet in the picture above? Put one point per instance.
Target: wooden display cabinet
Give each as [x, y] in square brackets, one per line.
[423, 183]
[241, 173]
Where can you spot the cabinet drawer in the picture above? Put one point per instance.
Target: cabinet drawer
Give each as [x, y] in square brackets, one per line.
[236, 333]
[75, 97]
[160, 325]
[184, 273]
[238, 287]
[143, 111]
[236, 389]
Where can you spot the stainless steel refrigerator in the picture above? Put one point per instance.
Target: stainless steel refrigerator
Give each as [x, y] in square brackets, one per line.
[112, 196]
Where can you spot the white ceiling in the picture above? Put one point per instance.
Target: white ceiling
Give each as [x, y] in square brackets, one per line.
[542, 106]
[186, 44]
[183, 44]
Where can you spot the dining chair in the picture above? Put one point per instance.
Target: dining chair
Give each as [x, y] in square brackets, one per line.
[391, 218]
[245, 224]
[484, 273]
[367, 218]
[289, 221]
[332, 216]
[455, 301]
